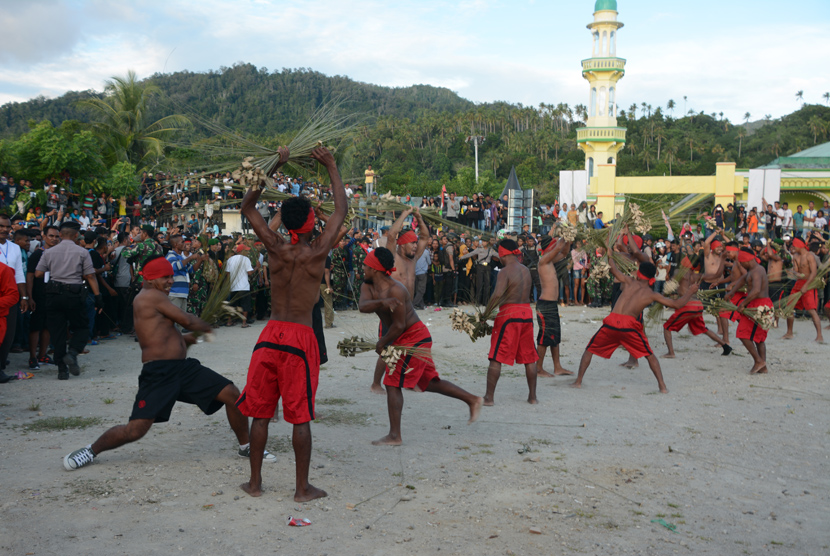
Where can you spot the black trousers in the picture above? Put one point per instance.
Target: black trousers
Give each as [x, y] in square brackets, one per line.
[67, 311]
[11, 329]
[482, 284]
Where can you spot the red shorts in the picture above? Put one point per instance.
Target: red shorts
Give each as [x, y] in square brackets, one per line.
[620, 330]
[809, 300]
[414, 370]
[691, 315]
[734, 315]
[512, 339]
[748, 329]
[285, 362]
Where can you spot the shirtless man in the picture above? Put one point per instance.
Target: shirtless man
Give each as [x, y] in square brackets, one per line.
[806, 266]
[751, 335]
[736, 271]
[168, 374]
[624, 327]
[409, 249]
[547, 310]
[391, 301]
[627, 246]
[775, 274]
[691, 315]
[512, 338]
[713, 254]
[285, 361]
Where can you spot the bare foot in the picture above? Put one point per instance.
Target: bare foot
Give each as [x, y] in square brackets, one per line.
[387, 440]
[760, 367]
[576, 384]
[820, 340]
[311, 493]
[256, 491]
[377, 389]
[562, 371]
[475, 410]
[544, 373]
[663, 389]
[787, 336]
[672, 356]
[630, 365]
[488, 402]
[532, 401]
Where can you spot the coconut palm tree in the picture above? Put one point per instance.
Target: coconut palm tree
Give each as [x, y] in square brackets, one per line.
[741, 135]
[670, 106]
[671, 153]
[799, 96]
[826, 97]
[122, 123]
[746, 118]
[816, 127]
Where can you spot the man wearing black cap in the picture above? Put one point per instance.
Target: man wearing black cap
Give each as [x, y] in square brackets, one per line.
[68, 265]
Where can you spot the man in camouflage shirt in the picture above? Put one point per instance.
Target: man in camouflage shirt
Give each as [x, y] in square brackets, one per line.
[340, 272]
[139, 253]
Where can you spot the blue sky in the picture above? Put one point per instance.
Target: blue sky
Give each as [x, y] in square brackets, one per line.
[732, 56]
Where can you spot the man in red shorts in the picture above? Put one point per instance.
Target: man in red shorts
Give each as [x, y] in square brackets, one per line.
[691, 315]
[168, 374]
[285, 362]
[415, 370]
[512, 339]
[749, 332]
[623, 328]
[409, 248]
[806, 266]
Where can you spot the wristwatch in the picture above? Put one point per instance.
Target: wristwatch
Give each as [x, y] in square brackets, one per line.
[24, 298]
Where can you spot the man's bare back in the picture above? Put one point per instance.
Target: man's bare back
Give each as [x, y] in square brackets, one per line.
[518, 284]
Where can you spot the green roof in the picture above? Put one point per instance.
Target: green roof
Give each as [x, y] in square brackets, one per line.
[605, 5]
[817, 157]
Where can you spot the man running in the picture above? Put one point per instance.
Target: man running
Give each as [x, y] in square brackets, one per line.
[623, 326]
[749, 332]
[168, 374]
[805, 266]
[409, 249]
[285, 362]
[547, 309]
[691, 315]
[389, 299]
[512, 338]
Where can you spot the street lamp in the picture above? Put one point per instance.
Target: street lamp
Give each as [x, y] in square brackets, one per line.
[477, 140]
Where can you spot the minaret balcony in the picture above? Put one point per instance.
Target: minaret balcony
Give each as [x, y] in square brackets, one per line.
[603, 64]
[600, 134]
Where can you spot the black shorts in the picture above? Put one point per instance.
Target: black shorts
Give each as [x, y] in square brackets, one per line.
[547, 315]
[163, 383]
[242, 300]
[779, 290]
[37, 320]
[704, 285]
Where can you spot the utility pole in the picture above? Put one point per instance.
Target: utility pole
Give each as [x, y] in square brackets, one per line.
[477, 140]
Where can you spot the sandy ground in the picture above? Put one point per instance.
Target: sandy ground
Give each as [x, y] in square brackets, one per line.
[738, 464]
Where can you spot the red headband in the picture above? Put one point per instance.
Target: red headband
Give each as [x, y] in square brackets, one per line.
[745, 257]
[687, 263]
[637, 239]
[716, 244]
[304, 229]
[504, 252]
[407, 237]
[732, 248]
[157, 268]
[642, 276]
[550, 246]
[799, 243]
[372, 261]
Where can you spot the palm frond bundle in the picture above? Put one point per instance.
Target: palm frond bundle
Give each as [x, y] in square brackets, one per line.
[764, 316]
[391, 354]
[786, 306]
[475, 325]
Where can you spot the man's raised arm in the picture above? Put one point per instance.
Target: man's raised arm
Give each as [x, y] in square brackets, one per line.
[268, 237]
[324, 157]
[423, 235]
[397, 226]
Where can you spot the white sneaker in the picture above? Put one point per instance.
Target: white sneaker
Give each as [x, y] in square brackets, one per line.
[78, 458]
[267, 456]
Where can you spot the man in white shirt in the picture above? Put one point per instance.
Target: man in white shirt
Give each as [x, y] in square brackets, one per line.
[11, 256]
[563, 213]
[810, 218]
[239, 268]
[349, 192]
[787, 218]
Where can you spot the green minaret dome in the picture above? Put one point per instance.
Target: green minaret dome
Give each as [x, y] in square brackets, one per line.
[605, 5]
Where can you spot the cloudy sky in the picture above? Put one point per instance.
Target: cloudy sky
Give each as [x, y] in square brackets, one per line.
[733, 56]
